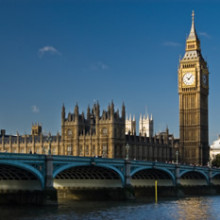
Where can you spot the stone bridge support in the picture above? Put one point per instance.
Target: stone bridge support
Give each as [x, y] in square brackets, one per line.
[128, 188]
[127, 173]
[50, 192]
[177, 175]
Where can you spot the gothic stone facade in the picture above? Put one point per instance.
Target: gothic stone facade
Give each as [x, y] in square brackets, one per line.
[101, 135]
[94, 135]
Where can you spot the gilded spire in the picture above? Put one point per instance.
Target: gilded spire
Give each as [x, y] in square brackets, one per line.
[192, 34]
[193, 42]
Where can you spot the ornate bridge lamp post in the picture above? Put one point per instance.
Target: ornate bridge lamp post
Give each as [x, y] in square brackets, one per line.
[51, 193]
[43, 150]
[177, 157]
[49, 139]
[127, 148]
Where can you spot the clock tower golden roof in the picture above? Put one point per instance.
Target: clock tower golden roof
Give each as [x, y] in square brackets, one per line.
[192, 42]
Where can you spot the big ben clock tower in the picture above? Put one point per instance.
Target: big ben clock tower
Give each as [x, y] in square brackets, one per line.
[193, 78]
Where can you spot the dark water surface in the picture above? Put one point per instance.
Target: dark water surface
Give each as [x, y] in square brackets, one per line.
[188, 208]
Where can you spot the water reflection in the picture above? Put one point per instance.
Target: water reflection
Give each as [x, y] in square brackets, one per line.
[195, 208]
[189, 208]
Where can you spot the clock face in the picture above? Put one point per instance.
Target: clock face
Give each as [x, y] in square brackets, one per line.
[204, 79]
[188, 79]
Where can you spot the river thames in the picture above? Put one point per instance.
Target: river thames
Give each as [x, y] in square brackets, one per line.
[187, 208]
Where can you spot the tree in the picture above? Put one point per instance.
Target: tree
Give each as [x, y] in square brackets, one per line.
[216, 161]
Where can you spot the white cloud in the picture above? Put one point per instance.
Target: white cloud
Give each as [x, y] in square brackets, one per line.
[204, 34]
[35, 109]
[48, 50]
[99, 66]
[171, 44]
[102, 66]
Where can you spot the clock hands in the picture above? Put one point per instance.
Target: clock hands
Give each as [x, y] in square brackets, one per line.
[189, 77]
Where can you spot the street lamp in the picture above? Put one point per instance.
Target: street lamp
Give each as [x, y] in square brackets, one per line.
[127, 151]
[177, 155]
[49, 139]
[43, 150]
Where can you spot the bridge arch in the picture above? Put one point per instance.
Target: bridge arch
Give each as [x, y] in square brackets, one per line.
[215, 179]
[193, 177]
[140, 178]
[67, 166]
[27, 168]
[84, 174]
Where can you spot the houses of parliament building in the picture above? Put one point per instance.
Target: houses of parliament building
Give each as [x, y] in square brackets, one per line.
[96, 135]
[110, 135]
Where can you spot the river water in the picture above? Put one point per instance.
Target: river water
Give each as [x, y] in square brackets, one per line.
[191, 208]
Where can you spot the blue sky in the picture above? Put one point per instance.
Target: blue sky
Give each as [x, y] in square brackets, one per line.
[55, 52]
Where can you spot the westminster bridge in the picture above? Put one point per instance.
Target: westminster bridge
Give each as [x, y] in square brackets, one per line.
[41, 176]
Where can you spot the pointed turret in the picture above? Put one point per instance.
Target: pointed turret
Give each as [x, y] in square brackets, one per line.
[63, 113]
[76, 109]
[76, 113]
[123, 111]
[192, 42]
[88, 113]
[112, 110]
[167, 130]
[69, 117]
[109, 111]
[117, 113]
[96, 110]
[83, 116]
[140, 117]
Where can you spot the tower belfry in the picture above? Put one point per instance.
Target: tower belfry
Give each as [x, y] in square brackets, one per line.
[193, 76]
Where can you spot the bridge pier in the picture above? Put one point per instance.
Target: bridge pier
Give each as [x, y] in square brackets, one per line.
[50, 193]
[177, 187]
[127, 187]
[177, 175]
[127, 173]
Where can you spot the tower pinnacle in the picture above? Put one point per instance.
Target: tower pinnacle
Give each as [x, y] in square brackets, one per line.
[192, 34]
[192, 42]
[193, 15]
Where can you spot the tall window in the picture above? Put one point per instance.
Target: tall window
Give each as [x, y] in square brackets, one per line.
[87, 150]
[54, 150]
[38, 150]
[69, 150]
[104, 151]
[81, 153]
[93, 151]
